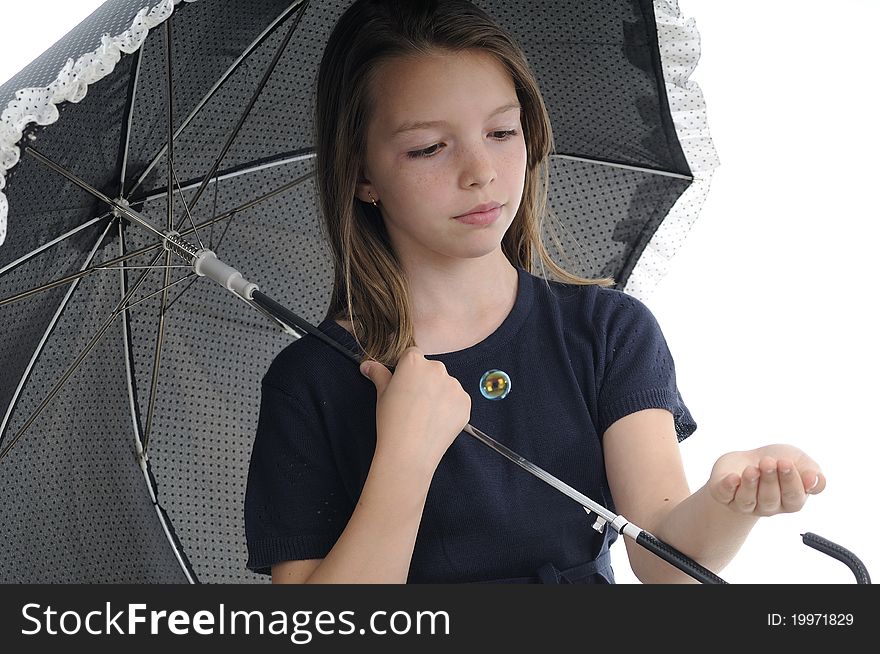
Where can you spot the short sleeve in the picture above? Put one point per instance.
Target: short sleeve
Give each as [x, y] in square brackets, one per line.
[639, 371]
[295, 503]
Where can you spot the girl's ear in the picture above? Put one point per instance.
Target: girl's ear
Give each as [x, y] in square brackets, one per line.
[363, 189]
[363, 194]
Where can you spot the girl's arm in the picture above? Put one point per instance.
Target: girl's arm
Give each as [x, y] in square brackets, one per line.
[649, 487]
[377, 544]
[420, 410]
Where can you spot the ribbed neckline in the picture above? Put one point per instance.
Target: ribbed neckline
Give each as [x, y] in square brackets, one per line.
[525, 295]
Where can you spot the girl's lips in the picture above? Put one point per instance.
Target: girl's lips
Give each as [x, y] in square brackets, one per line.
[480, 218]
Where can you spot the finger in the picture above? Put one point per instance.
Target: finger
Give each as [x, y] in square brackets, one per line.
[725, 490]
[810, 472]
[376, 373]
[746, 495]
[813, 481]
[768, 496]
[791, 486]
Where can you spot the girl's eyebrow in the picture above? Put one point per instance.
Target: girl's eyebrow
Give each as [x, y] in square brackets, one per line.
[410, 126]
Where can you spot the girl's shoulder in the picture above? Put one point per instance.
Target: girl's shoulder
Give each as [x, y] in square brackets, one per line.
[570, 294]
[306, 361]
[602, 307]
[346, 325]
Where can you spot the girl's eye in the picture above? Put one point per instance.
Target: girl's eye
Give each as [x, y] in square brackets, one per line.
[418, 154]
[430, 152]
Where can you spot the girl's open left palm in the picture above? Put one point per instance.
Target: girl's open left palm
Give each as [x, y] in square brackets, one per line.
[766, 481]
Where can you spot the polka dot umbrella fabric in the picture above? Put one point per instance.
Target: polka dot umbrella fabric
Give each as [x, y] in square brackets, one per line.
[100, 363]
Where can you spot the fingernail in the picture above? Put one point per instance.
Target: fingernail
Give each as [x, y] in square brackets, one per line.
[815, 483]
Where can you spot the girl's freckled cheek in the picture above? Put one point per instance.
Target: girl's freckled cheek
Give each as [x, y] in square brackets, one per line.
[426, 182]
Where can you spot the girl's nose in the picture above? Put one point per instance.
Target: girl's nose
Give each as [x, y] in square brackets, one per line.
[478, 166]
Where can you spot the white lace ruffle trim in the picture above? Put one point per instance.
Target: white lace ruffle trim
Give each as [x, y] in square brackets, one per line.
[38, 104]
[679, 53]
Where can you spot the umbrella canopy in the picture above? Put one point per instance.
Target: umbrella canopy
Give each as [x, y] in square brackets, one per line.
[130, 387]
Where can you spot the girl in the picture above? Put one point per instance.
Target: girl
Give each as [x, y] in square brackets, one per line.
[432, 143]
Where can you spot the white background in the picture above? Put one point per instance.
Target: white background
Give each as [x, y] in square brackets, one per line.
[770, 307]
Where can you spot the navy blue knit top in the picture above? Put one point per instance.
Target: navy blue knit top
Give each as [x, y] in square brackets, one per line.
[577, 358]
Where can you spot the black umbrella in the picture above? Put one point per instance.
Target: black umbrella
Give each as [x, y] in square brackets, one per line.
[130, 388]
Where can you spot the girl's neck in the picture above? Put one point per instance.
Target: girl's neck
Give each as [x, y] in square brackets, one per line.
[467, 290]
[458, 307]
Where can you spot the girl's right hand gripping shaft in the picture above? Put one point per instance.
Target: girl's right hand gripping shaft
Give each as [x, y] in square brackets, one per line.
[420, 410]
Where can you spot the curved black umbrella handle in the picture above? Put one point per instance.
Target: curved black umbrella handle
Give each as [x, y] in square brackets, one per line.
[840, 553]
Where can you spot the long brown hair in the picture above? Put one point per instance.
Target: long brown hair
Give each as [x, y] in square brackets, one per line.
[369, 288]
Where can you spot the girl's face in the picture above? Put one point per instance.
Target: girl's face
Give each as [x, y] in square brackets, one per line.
[423, 178]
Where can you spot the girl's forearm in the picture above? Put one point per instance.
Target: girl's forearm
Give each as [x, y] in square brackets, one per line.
[700, 527]
[377, 544]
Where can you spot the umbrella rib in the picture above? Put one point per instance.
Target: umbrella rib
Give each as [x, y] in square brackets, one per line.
[61, 170]
[45, 338]
[217, 85]
[160, 329]
[126, 341]
[651, 171]
[82, 355]
[252, 203]
[169, 106]
[182, 291]
[247, 110]
[213, 213]
[49, 244]
[126, 138]
[160, 336]
[188, 212]
[157, 354]
[82, 273]
[129, 368]
[223, 216]
[117, 268]
[225, 229]
[229, 174]
[164, 288]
